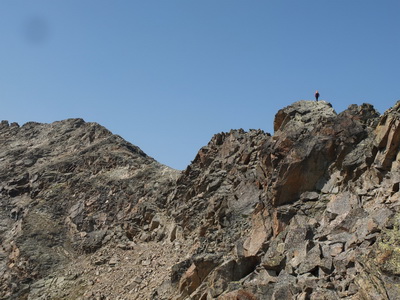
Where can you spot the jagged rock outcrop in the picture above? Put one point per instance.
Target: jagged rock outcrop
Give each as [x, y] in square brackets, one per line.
[310, 194]
[311, 212]
[69, 188]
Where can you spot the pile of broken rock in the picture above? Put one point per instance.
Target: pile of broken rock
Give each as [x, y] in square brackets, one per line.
[311, 212]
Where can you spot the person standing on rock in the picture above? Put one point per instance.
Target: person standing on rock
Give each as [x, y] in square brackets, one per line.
[316, 96]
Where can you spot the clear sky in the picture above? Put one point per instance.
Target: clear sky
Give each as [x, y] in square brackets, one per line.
[167, 75]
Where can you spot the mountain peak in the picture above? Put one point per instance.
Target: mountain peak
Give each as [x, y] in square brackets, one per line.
[302, 214]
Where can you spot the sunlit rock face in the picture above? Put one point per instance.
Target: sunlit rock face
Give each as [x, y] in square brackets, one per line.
[310, 212]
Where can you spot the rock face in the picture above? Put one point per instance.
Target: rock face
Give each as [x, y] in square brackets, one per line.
[311, 212]
[68, 189]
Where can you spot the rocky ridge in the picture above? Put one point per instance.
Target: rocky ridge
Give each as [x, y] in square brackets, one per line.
[311, 212]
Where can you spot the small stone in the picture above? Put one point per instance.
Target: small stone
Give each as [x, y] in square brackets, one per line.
[146, 262]
[309, 196]
[113, 261]
[154, 223]
[336, 249]
[100, 261]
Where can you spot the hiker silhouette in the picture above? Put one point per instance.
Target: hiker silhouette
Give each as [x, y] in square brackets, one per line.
[316, 96]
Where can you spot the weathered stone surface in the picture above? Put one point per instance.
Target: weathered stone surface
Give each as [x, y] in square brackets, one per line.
[202, 265]
[64, 185]
[387, 140]
[275, 257]
[311, 212]
[238, 295]
[261, 231]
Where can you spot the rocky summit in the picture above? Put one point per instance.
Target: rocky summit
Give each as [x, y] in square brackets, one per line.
[310, 212]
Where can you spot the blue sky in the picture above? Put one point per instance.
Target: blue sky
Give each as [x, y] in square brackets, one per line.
[168, 75]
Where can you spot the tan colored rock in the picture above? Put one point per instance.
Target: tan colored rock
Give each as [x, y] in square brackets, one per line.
[190, 281]
[388, 138]
[261, 231]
